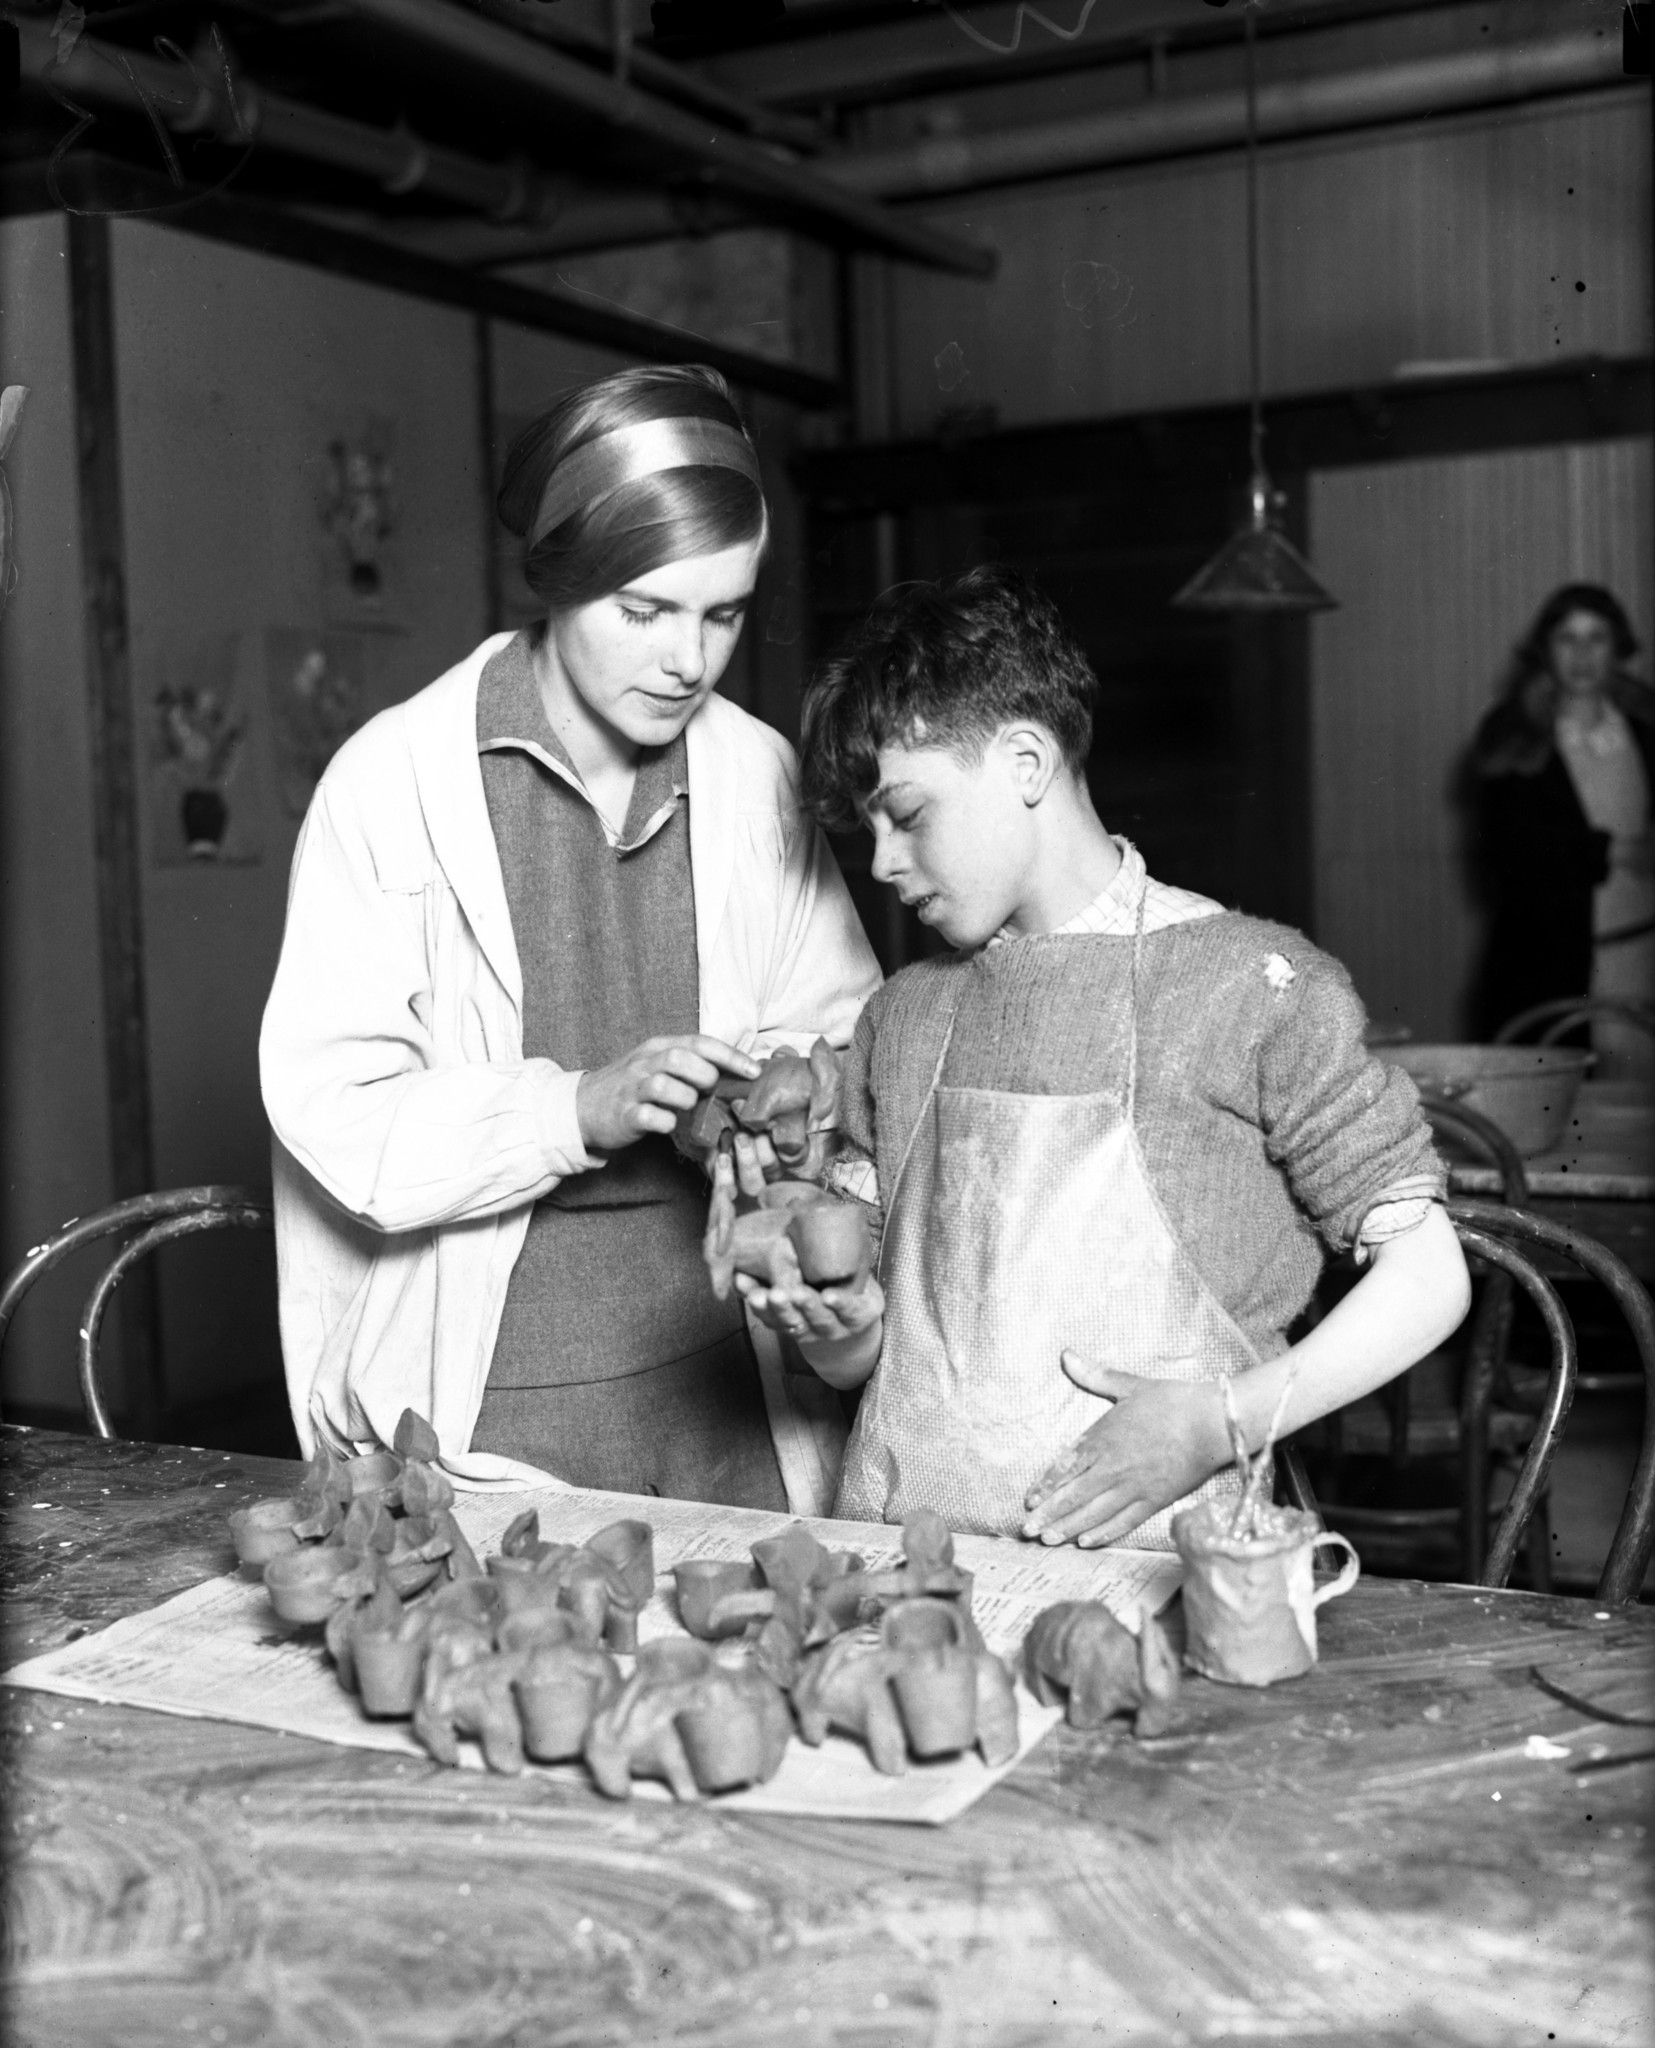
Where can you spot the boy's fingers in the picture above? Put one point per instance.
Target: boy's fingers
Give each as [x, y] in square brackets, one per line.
[1099, 1513]
[1117, 1527]
[1099, 1379]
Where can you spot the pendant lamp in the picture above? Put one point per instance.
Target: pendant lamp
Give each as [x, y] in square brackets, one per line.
[1258, 569]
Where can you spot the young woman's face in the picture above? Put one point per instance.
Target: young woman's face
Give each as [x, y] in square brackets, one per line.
[640, 662]
[1581, 653]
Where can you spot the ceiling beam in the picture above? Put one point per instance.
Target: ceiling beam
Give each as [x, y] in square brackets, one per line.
[1405, 420]
[99, 185]
[734, 164]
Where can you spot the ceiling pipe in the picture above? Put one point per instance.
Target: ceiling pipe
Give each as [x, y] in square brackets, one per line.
[658, 75]
[585, 224]
[1173, 127]
[821, 206]
[207, 98]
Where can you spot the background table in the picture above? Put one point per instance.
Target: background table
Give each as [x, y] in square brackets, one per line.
[1600, 1179]
[1367, 1855]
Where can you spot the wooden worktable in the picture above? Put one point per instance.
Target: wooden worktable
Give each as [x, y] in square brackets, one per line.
[1363, 1856]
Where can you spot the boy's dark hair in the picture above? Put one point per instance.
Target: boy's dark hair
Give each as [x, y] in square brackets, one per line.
[942, 665]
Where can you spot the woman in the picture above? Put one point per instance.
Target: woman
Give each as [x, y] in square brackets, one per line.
[1559, 781]
[534, 910]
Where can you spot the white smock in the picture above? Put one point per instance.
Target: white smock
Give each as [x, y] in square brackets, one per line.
[1022, 1226]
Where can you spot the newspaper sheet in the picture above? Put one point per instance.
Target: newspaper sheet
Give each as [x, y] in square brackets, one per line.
[218, 1651]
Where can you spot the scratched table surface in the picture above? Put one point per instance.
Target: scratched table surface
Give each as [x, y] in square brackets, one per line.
[1420, 1842]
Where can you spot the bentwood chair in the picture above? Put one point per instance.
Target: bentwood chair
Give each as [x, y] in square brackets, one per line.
[1562, 1014]
[154, 1220]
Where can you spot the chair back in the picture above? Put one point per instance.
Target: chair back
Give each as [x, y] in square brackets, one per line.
[155, 1219]
[1563, 1013]
[1634, 1539]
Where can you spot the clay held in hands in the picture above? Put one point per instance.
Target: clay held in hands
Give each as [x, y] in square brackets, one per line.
[830, 1240]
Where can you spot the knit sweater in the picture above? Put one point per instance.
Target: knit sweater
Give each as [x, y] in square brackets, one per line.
[1263, 1118]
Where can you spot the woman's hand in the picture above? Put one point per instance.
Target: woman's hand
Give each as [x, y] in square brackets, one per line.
[644, 1092]
[1159, 1441]
[839, 1330]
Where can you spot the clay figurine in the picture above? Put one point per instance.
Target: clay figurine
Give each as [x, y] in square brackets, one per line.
[466, 1689]
[264, 1531]
[927, 1687]
[307, 1584]
[1080, 1650]
[559, 1688]
[683, 1717]
[603, 1585]
[702, 1582]
[378, 1648]
[798, 1604]
[791, 1099]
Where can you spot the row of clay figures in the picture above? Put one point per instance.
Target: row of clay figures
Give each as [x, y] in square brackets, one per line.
[522, 1655]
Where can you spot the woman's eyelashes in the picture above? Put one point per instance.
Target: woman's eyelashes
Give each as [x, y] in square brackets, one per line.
[722, 621]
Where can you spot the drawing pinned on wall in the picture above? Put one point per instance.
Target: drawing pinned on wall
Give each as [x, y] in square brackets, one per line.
[202, 809]
[357, 506]
[317, 684]
[11, 407]
[962, 403]
[1099, 295]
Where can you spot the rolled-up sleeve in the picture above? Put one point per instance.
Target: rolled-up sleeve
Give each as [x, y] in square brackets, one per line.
[401, 1136]
[1344, 1126]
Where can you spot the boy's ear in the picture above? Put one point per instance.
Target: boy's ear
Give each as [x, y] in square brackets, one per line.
[1035, 759]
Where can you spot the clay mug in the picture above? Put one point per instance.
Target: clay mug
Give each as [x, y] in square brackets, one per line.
[702, 1582]
[1250, 1601]
[730, 1735]
[933, 1674]
[831, 1239]
[373, 1472]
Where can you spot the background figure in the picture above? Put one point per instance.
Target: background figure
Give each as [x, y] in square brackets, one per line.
[1558, 784]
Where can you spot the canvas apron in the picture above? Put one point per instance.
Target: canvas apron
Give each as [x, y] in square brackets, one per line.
[1021, 1226]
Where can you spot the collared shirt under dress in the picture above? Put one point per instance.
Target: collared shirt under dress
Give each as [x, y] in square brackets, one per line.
[615, 1364]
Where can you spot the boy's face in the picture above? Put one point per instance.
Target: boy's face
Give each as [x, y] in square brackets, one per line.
[952, 836]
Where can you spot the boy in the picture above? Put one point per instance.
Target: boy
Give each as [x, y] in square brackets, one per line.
[1104, 1130]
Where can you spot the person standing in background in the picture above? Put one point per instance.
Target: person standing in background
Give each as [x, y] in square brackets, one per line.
[1558, 785]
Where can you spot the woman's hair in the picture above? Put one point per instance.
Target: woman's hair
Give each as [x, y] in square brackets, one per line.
[946, 665]
[1516, 736]
[645, 523]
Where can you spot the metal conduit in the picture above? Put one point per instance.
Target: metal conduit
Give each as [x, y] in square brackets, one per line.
[202, 101]
[738, 165]
[1181, 127]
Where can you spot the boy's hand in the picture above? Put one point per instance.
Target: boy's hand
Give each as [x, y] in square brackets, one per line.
[838, 1329]
[1159, 1441]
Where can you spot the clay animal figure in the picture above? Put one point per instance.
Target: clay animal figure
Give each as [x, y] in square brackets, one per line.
[792, 1100]
[602, 1584]
[378, 1648]
[560, 1688]
[927, 1686]
[1077, 1650]
[796, 1605]
[685, 1718]
[796, 1231]
[466, 1689]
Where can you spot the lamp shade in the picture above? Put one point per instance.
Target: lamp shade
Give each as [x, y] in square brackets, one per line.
[1257, 569]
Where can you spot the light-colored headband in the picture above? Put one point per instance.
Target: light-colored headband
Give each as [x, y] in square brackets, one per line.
[628, 453]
